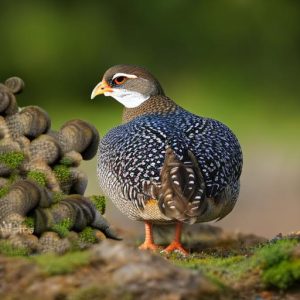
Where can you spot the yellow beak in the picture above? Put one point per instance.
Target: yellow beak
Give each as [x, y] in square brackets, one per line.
[101, 88]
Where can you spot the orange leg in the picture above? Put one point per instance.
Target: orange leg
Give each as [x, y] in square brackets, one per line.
[176, 245]
[148, 243]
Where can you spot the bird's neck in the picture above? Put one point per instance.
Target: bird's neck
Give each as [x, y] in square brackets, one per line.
[154, 105]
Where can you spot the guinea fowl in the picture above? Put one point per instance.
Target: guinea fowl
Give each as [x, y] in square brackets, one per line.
[165, 165]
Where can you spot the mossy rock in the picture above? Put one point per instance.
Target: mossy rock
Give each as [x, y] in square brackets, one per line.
[99, 202]
[87, 235]
[57, 197]
[62, 173]
[62, 228]
[29, 222]
[8, 249]
[12, 159]
[53, 264]
[66, 161]
[38, 177]
[3, 191]
[48, 161]
[103, 292]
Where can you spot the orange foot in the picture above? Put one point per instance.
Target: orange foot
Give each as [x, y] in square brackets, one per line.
[148, 246]
[176, 247]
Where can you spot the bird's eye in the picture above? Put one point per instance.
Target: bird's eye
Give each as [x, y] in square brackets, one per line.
[119, 80]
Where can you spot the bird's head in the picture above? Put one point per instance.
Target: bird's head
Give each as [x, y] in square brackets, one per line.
[130, 85]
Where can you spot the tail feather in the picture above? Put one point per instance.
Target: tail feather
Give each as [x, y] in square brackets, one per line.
[182, 189]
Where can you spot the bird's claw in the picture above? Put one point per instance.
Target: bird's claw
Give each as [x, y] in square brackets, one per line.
[149, 246]
[175, 247]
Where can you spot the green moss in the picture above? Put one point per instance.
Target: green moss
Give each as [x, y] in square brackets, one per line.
[279, 268]
[62, 173]
[273, 264]
[3, 191]
[8, 249]
[29, 222]
[282, 275]
[38, 177]
[221, 270]
[217, 262]
[66, 161]
[87, 235]
[12, 159]
[54, 264]
[103, 292]
[274, 253]
[57, 197]
[13, 177]
[99, 202]
[63, 227]
[75, 242]
[91, 293]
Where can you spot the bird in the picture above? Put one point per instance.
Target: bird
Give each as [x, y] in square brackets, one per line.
[164, 164]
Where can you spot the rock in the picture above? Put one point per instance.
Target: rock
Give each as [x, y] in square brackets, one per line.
[112, 271]
[15, 84]
[51, 242]
[39, 177]
[24, 240]
[148, 276]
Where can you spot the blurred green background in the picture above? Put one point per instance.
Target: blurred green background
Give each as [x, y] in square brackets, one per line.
[234, 60]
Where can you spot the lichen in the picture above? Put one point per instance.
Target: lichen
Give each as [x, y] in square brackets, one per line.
[87, 235]
[12, 159]
[99, 202]
[63, 227]
[38, 177]
[6, 248]
[62, 173]
[54, 264]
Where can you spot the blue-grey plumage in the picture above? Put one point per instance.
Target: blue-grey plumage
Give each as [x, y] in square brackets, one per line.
[134, 152]
[165, 164]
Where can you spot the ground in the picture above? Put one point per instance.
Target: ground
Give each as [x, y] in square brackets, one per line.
[221, 266]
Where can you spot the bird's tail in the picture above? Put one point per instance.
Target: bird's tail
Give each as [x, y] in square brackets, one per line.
[182, 191]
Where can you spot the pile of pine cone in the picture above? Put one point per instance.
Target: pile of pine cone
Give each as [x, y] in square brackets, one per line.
[42, 202]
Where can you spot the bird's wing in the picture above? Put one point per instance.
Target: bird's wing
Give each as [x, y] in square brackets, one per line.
[137, 154]
[217, 151]
[181, 190]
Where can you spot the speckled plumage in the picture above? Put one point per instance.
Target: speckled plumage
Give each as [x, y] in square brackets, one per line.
[132, 155]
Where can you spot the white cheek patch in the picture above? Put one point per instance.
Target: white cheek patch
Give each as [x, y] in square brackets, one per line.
[124, 75]
[129, 99]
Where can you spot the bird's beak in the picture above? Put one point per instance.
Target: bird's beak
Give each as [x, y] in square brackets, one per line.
[101, 88]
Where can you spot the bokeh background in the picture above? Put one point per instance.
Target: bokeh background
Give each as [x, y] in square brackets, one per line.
[234, 60]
